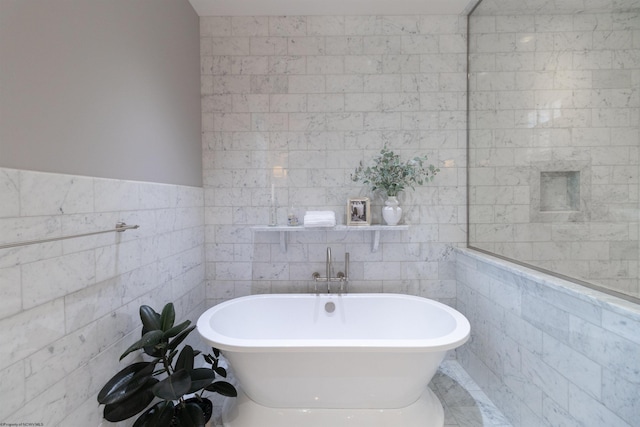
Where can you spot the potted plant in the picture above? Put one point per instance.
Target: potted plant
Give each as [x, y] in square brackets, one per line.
[134, 388]
[390, 175]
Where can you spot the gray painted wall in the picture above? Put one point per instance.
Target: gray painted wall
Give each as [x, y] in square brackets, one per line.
[101, 88]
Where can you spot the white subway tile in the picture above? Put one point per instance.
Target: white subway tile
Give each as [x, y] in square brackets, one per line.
[310, 122]
[345, 45]
[327, 64]
[231, 84]
[326, 103]
[49, 365]
[50, 279]
[269, 84]
[513, 24]
[340, 83]
[215, 26]
[249, 103]
[287, 65]
[387, 45]
[439, 24]
[288, 26]
[607, 349]
[54, 194]
[12, 389]
[621, 325]
[419, 44]
[363, 25]
[617, 396]
[587, 410]
[363, 64]
[306, 46]
[30, 330]
[232, 122]
[250, 26]
[326, 25]
[592, 22]
[243, 65]
[230, 46]
[268, 46]
[10, 291]
[400, 24]
[496, 42]
[383, 83]
[9, 192]
[363, 102]
[306, 84]
[344, 121]
[280, 103]
[402, 64]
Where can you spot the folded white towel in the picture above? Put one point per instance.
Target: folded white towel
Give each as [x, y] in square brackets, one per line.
[320, 219]
[320, 214]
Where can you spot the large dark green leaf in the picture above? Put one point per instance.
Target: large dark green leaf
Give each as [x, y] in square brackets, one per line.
[134, 404]
[126, 382]
[220, 371]
[176, 329]
[224, 388]
[149, 339]
[150, 319]
[171, 356]
[174, 386]
[154, 350]
[210, 360]
[200, 378]
[185, 359]
[180, 337]
[168, 317]
[159, 415]
[191, 415]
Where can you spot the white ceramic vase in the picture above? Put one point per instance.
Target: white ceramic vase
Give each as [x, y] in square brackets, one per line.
[391, 211]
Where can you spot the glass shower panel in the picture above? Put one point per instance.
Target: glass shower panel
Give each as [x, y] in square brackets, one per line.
[554, 113]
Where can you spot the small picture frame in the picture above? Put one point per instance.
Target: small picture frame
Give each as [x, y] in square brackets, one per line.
[359, 211]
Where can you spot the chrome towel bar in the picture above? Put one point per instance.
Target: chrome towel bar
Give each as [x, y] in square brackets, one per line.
[120, 227]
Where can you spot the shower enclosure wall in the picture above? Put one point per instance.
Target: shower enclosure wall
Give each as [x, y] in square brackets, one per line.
[554, 113]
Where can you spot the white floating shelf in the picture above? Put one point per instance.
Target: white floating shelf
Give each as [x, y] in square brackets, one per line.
[375, 229]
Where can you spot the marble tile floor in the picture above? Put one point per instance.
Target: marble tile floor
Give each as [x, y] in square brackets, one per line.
[465, 404]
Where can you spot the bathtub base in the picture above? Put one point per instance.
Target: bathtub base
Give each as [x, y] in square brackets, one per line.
[243, 412]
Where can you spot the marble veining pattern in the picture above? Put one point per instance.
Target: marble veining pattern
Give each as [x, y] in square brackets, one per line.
[297, 102]
[69, 308]
[564, 357]
[554, 92]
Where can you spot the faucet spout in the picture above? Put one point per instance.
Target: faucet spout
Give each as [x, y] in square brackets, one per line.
[328, 265]
[346, 271]
[341, 277]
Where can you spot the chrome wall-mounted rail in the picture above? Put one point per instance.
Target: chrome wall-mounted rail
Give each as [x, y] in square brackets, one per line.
[120, 227]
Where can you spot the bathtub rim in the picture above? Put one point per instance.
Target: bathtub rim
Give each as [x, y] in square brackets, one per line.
[459, 336]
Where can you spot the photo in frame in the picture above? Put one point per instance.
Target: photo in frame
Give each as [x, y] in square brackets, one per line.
[359, 211]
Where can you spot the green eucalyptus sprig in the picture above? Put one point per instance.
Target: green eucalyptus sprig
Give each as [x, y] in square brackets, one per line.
[391, 175]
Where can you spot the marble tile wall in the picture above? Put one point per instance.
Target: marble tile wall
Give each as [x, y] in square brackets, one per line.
[557, 93]
[547, 351]
[297, 102]
[68, 309]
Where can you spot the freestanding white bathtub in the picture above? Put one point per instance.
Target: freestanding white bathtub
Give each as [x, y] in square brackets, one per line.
[300, 358]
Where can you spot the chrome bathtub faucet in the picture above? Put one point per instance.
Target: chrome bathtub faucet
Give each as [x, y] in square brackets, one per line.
[341, 277]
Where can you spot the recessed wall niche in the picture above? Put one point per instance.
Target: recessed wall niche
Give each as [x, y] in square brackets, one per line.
[560, 191]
